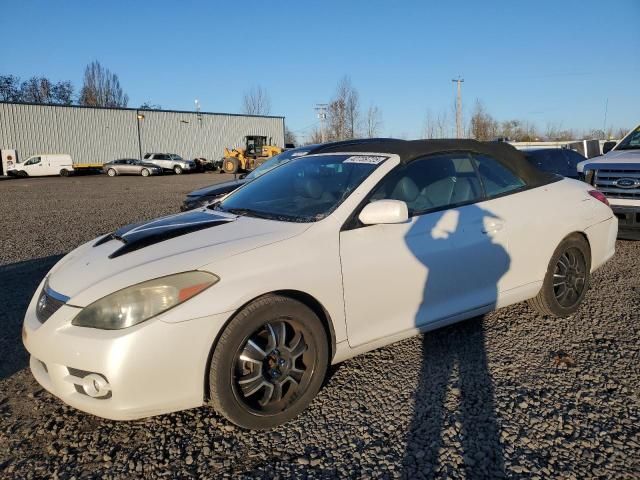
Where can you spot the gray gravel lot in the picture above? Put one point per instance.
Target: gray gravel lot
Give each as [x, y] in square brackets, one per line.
[512, 394]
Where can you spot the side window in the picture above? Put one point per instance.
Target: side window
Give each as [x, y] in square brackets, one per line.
[33, 161]
[573, 158]
[432, 183]
[147, 155]
[496, 178]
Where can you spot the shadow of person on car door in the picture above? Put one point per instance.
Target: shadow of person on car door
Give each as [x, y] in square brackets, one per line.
[18, 283]
[454, 402]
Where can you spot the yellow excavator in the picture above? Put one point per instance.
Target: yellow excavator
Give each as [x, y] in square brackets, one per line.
[256, 151]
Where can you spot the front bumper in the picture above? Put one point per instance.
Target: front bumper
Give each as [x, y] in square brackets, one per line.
[152, 368]
[628, 221]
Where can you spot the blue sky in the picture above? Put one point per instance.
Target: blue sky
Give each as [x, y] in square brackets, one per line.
[544, 61]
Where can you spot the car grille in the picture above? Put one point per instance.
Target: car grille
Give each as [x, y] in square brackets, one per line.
[48, 304]
[606, 180]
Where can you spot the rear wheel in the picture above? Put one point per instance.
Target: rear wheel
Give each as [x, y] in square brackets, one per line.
[567, 279]
[177, 169]
[269, 363]
[144, 172]
[230, 165]
[111, 172]
[64, 172]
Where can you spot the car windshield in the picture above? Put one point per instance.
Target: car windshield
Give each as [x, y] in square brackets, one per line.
[274, 162]
[631, 141]
[303, 191]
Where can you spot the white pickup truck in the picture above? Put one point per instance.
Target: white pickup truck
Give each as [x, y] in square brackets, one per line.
[617, 175]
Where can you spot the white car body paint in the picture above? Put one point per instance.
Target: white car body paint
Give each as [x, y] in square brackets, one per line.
[367, 279]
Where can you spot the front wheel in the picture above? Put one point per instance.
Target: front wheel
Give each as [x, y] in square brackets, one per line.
[231, 165]
[111, 172]
[177, 169]
[269, 363]
[144, 172]
[567, 279]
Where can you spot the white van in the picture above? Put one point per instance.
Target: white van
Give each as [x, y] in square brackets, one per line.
[43, 164]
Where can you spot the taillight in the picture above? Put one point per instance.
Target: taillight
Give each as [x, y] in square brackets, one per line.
[599, 196]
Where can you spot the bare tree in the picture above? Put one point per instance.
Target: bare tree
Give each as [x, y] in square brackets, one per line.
[483, 127]
[289, 136]
[36, 90]
[620, 133]
[373, 122]
[150, 106]
[101, 88]
[62, 93]
[437, 126]
[344, 111]
[10, 88]
[256, 101]
[314, 136]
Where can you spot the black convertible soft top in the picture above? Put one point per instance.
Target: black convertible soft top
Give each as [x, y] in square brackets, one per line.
[409, 150]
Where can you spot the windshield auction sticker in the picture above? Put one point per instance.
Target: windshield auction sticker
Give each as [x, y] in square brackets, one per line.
[368, 159]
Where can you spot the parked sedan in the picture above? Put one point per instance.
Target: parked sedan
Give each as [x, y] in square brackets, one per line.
[245, 304]
[130, 166]
[560, 161]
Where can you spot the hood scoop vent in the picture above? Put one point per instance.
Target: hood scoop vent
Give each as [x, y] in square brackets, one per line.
[141, 235]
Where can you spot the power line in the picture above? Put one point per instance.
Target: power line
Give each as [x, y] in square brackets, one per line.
[311, 125]
[459, 81]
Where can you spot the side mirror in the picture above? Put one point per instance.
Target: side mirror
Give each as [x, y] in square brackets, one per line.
[607, 147]
[384, 211]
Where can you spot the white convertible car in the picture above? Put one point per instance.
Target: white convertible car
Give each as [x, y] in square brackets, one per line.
[244, 304]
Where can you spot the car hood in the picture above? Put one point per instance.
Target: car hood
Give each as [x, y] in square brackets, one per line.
[217, 189]
[164, 246]
[620, 157]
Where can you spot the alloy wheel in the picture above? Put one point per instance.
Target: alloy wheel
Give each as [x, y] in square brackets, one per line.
[569, 277]
[273, 367]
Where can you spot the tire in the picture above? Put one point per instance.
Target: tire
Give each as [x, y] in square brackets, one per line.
[22, 174]
[177, 170]
[111, 172]
[567, 279]
[230, 165]
[64, 172]
[144, 172]
[239, 388]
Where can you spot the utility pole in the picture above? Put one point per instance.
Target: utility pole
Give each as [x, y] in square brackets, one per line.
[459, 132]
[604, 125]
[198, 116]
[321, 108]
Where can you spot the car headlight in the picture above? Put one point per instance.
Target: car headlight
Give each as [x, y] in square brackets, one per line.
[137, 303]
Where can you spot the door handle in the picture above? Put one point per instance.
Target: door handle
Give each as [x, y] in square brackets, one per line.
[492, 227]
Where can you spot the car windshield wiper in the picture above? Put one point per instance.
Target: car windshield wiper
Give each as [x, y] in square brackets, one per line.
[248, 212]
[629, 147]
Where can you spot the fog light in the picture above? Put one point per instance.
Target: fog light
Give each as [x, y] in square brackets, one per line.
[95, 385]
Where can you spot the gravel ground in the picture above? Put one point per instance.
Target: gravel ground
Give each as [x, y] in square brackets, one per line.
[512, 394]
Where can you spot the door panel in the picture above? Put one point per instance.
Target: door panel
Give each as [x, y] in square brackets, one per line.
[398, 277]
